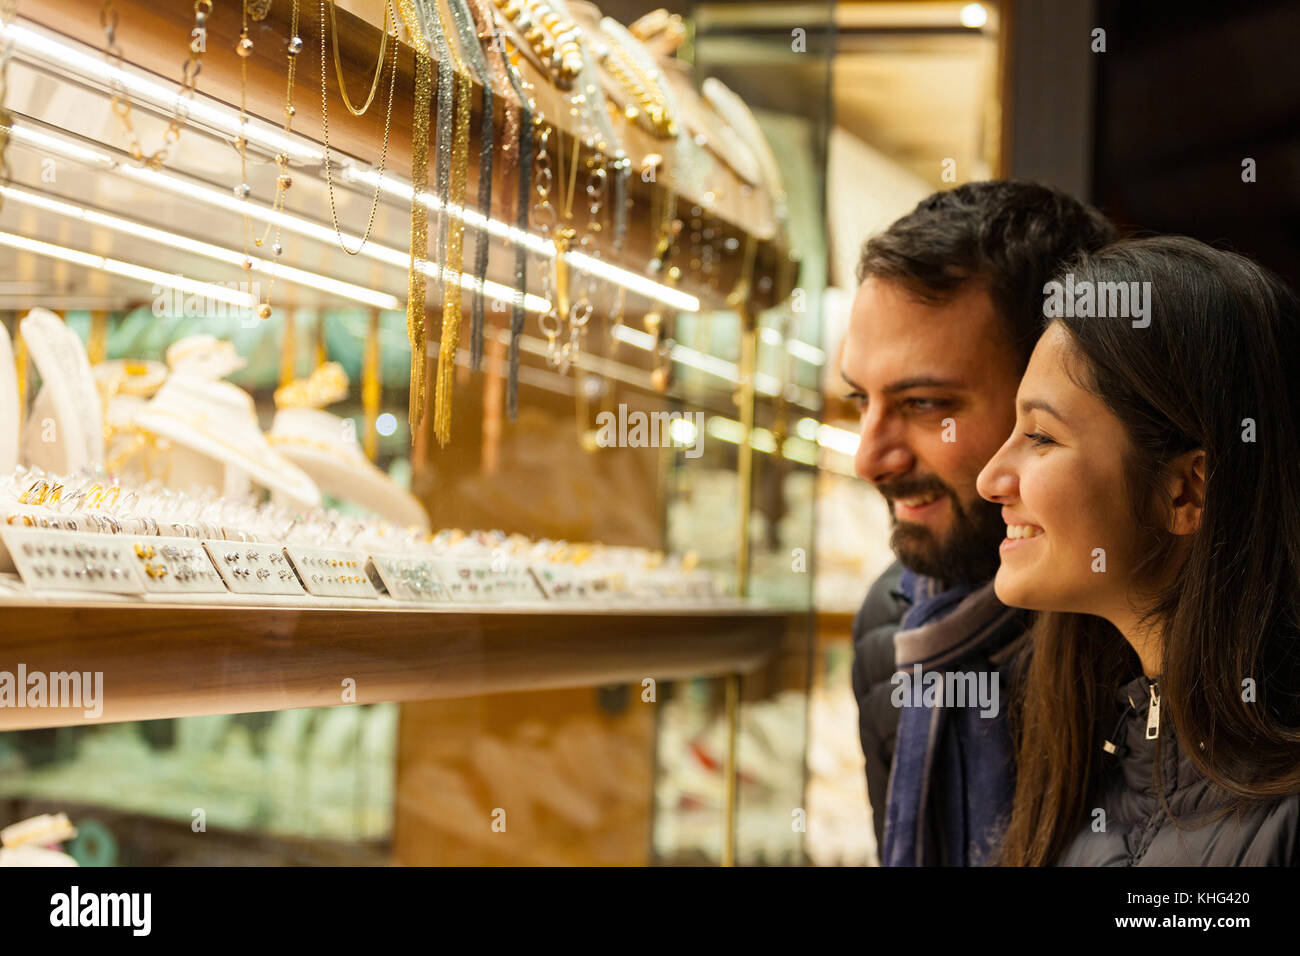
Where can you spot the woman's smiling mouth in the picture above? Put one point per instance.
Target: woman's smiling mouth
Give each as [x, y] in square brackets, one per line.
[1019, 531]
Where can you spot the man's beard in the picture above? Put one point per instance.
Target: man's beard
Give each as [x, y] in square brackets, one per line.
[966, 554]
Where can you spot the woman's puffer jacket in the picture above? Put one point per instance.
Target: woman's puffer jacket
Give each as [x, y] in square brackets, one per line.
[1136, 830]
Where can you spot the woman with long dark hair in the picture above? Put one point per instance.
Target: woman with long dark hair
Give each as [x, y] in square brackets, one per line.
[1151, 491]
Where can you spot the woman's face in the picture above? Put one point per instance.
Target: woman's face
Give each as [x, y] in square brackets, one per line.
[1071, 543]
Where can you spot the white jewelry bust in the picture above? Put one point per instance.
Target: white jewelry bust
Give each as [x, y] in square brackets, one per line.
[65, 432]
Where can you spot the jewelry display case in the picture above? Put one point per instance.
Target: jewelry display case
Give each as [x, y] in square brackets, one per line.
[421, 475]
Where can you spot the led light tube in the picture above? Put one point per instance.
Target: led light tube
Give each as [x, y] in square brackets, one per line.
[232, 257]
[128, 270]
[648, 288]
[837, 439]
[64, 56]
[57, 144]
[800, 350]
[304, 227]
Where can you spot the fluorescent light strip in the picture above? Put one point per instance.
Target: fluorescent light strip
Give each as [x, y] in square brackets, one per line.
[398, 188]
[800, 350]
[304, 227]
[128, 270]
[837, 439]
[232, 257]
[711, 364]
[58, 144]
[64, 56]
[648, 288]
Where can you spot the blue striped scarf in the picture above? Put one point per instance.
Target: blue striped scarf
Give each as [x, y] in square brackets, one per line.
[953, 776]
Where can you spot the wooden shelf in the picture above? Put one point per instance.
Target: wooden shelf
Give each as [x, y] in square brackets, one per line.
[172, 660]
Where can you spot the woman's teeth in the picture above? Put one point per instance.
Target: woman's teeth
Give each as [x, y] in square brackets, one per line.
[919, 501]
[1023, 531]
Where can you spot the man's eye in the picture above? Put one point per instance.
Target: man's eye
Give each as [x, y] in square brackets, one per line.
[924, 404]
[857, 398]
[1038, 438]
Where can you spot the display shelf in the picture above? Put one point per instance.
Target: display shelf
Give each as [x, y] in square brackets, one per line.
[167, 660]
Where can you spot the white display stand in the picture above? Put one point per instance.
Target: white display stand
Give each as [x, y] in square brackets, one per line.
[68, 399]
[326, 448]
[218, 421]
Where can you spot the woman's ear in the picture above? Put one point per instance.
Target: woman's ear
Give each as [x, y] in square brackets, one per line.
[1186, 492]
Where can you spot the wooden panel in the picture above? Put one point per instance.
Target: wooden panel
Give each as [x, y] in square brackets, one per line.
[174, 661]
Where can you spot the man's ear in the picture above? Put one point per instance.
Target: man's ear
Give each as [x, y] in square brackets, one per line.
[1186, 484]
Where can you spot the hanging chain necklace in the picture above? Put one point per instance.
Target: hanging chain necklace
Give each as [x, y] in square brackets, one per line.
[416, 283]
[455, 237]
[530, 118]
[379, 63]
[463, 19]
[282, 180]
[325, 139]
[189, 75]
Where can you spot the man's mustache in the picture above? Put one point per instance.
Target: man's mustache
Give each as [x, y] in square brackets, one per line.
[911, 487]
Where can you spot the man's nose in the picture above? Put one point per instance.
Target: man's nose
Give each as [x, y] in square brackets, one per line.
[882, 451]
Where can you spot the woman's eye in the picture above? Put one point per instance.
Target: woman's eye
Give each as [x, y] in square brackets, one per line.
[1038, 438]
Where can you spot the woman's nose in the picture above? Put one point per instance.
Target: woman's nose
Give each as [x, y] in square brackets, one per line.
[998, 480]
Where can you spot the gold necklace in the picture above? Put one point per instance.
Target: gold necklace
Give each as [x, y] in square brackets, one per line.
[379, 63]
[189, 75]
[650, 107]
[325, 138]
[283, 180]
[419, 246]
[454, 260]
[553, 38]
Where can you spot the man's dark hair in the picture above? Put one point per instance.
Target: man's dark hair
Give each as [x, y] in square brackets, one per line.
[1013, 235]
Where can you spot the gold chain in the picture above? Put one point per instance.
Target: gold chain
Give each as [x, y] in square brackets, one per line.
[379, 63]
[283, 180]
[325, 137]
[416, 279]
[189, 75]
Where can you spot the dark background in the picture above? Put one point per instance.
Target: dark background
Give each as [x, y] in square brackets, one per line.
[1185, 92]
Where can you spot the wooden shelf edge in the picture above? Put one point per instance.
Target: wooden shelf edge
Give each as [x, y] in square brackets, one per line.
[177, 661]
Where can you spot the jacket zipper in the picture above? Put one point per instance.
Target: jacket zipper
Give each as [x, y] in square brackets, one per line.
[1153, 713]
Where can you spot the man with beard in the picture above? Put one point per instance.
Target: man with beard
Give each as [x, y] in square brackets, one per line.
[948, 309]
